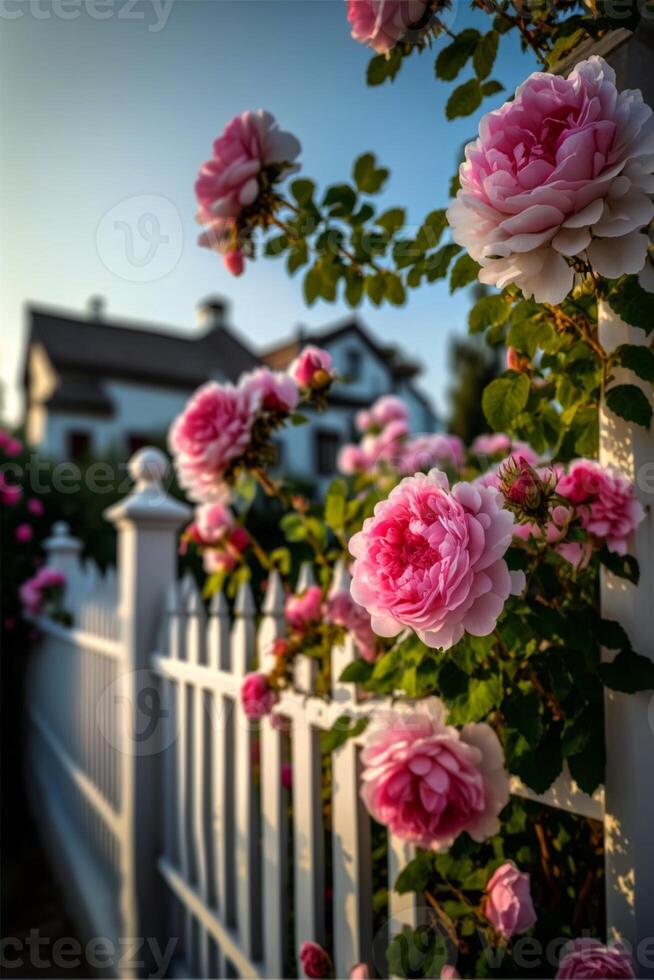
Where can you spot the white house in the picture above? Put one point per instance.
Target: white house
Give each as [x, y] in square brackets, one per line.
[94, 385]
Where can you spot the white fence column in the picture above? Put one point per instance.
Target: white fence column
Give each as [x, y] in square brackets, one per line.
[147, 522]
[630, 717]
[64, 554]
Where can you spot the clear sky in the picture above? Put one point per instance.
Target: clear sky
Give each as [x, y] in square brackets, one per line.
[107, 107]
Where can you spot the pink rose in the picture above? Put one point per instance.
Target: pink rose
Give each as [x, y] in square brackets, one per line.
[360, 972]
[315, 961]
[277, 392]
[229, 181]
[491, 444]
[431, 558]
[387, 409]
[427, 781]
[234, 261]
[312, 369]
[508, 906]
[213, 521]
[382, 23]
[286, 775]
[605, 501]
[388, 445]
[363, 420]
[449, 972]
[302, 610]
[588, 958]
[213, 430]
[12, 447]
[226, 555]
[49, 578]
[562, 171]
[35, 507]
[257, 697]
[352, 459]
[342, 610]
[24, 533]
[10, 494]
[423, 452]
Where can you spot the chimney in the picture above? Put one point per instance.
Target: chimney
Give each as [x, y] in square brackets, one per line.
[96, 306]
[212, 312]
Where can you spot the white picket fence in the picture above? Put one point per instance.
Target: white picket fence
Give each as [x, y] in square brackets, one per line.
[153, 805]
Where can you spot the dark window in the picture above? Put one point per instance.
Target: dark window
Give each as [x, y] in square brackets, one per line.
[277, 460]
[79, 445]
[354, 362]
[136, 442]
[327, 445]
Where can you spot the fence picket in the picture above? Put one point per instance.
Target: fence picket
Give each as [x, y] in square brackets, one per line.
[304, 669]
[248, 876]
[274, 809]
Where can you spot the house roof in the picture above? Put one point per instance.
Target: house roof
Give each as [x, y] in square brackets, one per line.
[281, 355]
[92, 349]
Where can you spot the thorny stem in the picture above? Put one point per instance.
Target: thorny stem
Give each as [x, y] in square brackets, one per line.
[444, 917]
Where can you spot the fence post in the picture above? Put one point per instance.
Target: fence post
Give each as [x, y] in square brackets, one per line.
[629, 785]
[63, 552]
[147, 521]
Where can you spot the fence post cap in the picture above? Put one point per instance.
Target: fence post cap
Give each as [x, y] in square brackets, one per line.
[61, 539]
[149, 502]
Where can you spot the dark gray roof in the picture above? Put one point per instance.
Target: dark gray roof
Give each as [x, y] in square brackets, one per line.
[90, 350]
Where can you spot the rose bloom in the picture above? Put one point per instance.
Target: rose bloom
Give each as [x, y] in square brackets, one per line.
[360, 972]
[301, 610]
[449, 972]
[234, 260]
[227, 555]
[605, 501]
[213, 521]
[431, 558]
[491, 444]
[229, 181]
[380, 24]
[277, 392]
[35, 507]
[24, 533]
[352, 459]
[10, 494]
[313, 368]
[423, 452]
[213, 430]
[315, 961]
[563, 170]
[427, 781]
[588, 958]
[388, 445]
[387, 409]
[257, 697]
[342, 610]
[508, 906]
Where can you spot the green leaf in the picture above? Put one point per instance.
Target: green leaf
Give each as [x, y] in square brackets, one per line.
[613, 636]
[640, 360]
[537, 767]
[491, 87]
[417, 952]
[430, 231]
[340, 199]
[297, 257]
[587, 767]
[633, 304]
[522, 712]
[275, 246]
[630, 403]
[312, 284]
[624, 566]
[392, 220]
[504, 399]
[483, 695]
[367, 176]
[527, 336]
[452, 58]
[489, 311]
[293, 527]
[335, 505]
[438, 263]
[342, 730]
[628, 672]
[485, 53]
[464, 271]
[564, 45]
[464, 100]
[303, 190]
[384, 68]
[375, 287]
[358, 672]
[416, 875]
[354, 290]
[395, 291]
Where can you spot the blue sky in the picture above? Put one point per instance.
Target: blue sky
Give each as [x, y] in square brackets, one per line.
[107, 119]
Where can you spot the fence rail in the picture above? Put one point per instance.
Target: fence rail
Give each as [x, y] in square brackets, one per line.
[168, 804]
